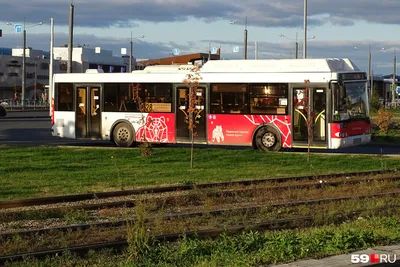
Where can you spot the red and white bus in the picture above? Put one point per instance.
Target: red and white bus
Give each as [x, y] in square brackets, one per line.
[260, 103]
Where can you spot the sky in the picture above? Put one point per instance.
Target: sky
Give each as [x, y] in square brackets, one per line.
[335, 28]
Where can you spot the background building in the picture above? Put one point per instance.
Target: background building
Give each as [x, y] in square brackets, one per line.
[37, 68]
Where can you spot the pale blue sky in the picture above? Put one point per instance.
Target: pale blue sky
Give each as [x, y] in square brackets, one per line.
[192, 25]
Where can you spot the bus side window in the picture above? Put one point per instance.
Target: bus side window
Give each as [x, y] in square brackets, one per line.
[65, 97]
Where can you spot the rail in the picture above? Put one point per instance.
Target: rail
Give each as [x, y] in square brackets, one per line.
[277, 224]
[5, 204]
[245, 210]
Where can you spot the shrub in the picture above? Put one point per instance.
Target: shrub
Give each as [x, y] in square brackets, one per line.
[374, 103]
[384, 120]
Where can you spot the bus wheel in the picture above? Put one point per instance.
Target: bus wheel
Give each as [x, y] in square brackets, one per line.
[267, 139]
[123, 135]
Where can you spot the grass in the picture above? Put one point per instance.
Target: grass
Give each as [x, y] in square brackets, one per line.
[395, 112]
[393, 137]
[250, 248]
[140, 233]
[44, 171]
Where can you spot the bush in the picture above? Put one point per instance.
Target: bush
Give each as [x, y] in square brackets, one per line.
[374, 103]
[384, 120]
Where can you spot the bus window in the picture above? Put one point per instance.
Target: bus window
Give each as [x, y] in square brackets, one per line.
[350, 101]
[117, 97]
[64, 96]
[268, 98]
[229, 98]
[157, 96]
[120, 97]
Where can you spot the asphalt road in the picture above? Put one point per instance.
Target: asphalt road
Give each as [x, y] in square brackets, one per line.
[34, 129]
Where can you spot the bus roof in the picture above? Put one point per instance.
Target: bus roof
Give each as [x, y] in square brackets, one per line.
[279, 70]
[281, 65]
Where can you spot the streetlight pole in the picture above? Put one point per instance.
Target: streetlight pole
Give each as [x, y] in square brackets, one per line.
[131, 51]
[245, 36]
[394, 81]
[305, 30]
[296, 48]
[245, 40]
[23, 67]
[393, 89]
[70, 38]
[23, 78]
[51, 67]
[369, 84]
[255, 50]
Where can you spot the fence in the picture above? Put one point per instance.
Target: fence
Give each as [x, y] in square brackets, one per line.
[389, 103]
[28, 104]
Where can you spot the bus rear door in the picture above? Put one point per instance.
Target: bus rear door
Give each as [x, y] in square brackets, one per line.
[183, 133]
[88, 115]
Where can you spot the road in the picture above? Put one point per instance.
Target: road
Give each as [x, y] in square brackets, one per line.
[34, 128]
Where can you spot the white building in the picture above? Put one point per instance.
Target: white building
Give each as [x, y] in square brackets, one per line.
[37, 68]
[86, 58]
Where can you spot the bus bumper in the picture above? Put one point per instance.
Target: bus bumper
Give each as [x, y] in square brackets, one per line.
[350, 141]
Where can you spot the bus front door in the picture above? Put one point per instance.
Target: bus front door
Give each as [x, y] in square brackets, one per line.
[183, 104]
[88, 115]
[309, 108]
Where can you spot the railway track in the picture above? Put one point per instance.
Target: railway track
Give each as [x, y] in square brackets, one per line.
[301, 221]
[306, 221]
[220, 193]
[246, 209]
[101, 195]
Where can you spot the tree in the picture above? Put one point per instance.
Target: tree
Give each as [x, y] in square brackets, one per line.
[143, 107]
[309, 117]
[192, 81]
[375, 101]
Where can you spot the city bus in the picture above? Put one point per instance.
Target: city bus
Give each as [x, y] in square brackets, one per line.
[266, 104]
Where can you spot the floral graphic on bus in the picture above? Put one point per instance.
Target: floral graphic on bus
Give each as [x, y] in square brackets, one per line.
[217, 134]
[156, 130]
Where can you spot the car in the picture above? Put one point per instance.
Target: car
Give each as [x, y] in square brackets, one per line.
[3, 111]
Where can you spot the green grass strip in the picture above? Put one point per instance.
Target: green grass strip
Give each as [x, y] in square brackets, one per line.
[46, 171]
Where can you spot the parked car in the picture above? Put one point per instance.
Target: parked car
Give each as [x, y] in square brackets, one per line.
[3, 111]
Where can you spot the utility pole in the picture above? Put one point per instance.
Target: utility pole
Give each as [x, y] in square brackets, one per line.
[130, 54]
[209, 51]
[305, 30]
[245, 39]
[70, 40]
[296, 49]
[394, 81]
[369, 85]
[256, 50]
[23, 68]
[51, 68]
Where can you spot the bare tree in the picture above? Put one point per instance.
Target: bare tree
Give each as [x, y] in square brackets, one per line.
[145, 146]
[309, 117]
[192, 81]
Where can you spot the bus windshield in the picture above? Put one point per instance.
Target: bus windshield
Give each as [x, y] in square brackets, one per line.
[350, 101]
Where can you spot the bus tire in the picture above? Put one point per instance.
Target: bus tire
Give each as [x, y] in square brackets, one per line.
[268, 139]
[123, 135]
